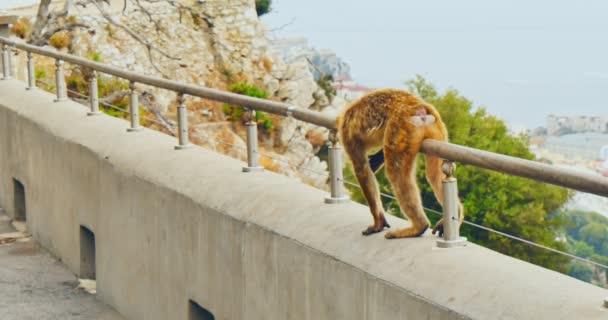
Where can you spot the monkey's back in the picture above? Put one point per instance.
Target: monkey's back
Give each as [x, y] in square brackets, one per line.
[365, 119]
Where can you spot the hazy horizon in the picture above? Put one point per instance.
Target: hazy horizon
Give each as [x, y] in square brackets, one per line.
[521, 60]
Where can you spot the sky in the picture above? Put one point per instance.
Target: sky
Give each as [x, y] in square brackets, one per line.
[522, 60]
[6, 4]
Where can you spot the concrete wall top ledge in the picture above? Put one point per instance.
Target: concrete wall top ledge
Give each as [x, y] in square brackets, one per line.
[472, 282]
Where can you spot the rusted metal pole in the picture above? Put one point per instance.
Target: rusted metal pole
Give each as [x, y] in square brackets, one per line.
[182, 124]
[93, 94]
[60, 86]
[451, 225]
[134, 109]
[253, 153]
[336, 165]
[31, 74]
[6, 62]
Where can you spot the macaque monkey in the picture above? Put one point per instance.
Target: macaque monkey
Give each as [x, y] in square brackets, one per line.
[396, 122]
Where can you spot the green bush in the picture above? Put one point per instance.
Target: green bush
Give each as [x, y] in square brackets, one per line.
[325, 82]
[39, 73]
[262, 7]
[581, 271]
[95, 56]
[235, 113]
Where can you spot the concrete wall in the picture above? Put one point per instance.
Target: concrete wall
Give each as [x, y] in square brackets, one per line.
[171, 226]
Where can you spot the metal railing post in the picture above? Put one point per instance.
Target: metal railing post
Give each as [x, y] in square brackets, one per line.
[336, 183]
[182, 123]
[134, 109]
[31, 74]
[252, 143]
[6, 62]
[93, 94]
[60, 81]
[451, 223]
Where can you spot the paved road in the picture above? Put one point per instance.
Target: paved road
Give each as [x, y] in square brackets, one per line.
[34, 285]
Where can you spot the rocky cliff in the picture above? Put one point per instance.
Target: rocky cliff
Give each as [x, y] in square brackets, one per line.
[215, 43]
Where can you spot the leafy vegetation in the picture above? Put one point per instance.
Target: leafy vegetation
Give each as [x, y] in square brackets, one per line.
[22, 28]
[78, 88]
[236, 113]
[94, 56]
[518, 206]
[587, 236]
[325, 82]
[263, 7]
[60, 40]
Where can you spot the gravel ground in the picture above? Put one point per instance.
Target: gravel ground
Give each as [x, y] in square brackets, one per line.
[34, 285]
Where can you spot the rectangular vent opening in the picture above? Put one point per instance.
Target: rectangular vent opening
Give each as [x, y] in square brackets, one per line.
[19, 200]
[196, 312]
[87, 253]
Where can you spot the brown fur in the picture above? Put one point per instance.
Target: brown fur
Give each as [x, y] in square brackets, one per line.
[384, 119]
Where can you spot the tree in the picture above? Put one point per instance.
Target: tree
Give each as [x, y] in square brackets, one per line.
[595, 234]
[263, 7]
[581, 271]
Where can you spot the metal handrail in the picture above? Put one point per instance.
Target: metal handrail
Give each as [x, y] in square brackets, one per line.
[450, 152]
[274, 107]
[563, 177]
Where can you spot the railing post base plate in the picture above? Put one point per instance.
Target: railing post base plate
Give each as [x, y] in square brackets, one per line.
[183, 147]
[253, 169]
[135, 129]
[331, 200]
[460, 242]
[94, 113]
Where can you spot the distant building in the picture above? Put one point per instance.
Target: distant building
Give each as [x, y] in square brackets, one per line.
[559, 125]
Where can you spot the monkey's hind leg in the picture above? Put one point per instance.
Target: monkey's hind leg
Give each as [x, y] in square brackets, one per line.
[368, 184]
[401, 170]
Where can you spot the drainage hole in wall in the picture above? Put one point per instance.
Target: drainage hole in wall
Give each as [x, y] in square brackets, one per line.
[87, 253]
[19, 200]
[197, 312]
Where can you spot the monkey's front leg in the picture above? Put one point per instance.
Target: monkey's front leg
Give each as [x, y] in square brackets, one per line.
[370, 189]
[379, 224]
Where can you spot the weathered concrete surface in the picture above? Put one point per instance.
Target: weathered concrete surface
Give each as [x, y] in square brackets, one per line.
[34, 285]
[177, 225]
